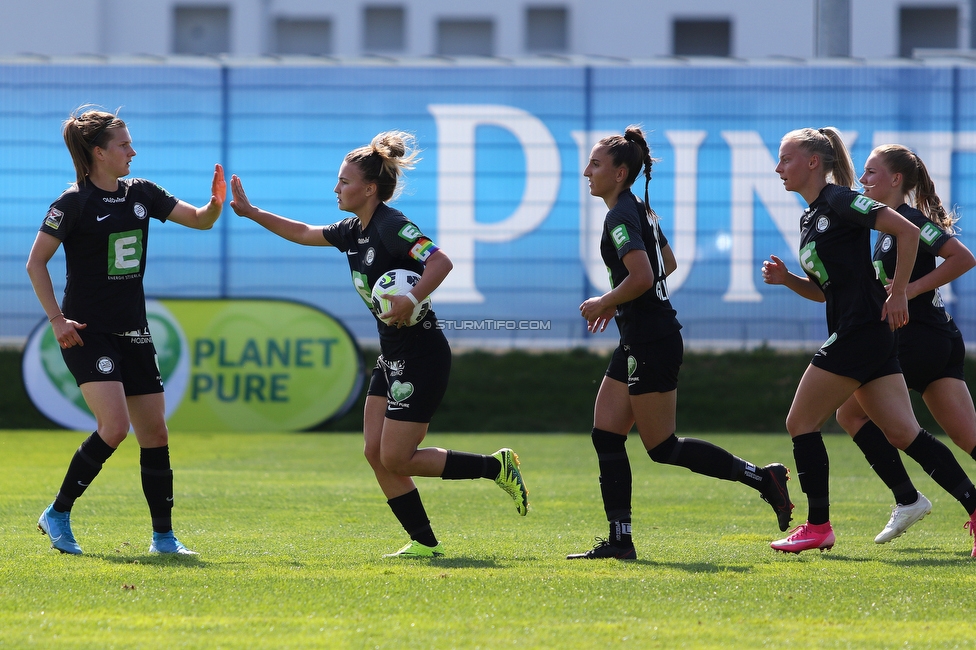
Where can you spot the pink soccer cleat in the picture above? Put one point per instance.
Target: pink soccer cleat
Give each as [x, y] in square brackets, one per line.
[805, 537]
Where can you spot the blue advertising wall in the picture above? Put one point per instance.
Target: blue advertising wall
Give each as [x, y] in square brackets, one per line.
[499, 186]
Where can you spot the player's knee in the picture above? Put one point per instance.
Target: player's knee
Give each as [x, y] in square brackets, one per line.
[851, 423]
[395, 463]
[372, 454]
[662, 453]
[114, 433]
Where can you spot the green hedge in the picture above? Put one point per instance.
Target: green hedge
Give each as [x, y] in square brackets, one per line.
[554, 392]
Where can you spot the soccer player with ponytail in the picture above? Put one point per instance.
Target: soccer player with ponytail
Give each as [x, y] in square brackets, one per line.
[860, 357]
[640, 385]
[102, 220]
[931, 350]
[411, 373]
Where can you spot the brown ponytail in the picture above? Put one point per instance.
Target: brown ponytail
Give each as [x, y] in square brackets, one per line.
[85, 129]
[917, 183]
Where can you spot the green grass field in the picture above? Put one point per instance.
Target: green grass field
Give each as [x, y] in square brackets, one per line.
[291, 529]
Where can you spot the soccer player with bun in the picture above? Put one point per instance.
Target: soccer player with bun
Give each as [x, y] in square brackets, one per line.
[860, 358]
[411, 373]
[102, 220]
[931, 350]
[641, 381]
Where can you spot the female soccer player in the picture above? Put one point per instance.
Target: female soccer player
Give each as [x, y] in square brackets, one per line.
[930, 347]
[860, 356]
[101, 324]
[640, 385]
[411, 373]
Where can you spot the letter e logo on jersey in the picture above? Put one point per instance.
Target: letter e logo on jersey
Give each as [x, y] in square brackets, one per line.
[929, 234]
[410, 232]
[124, 252]
[812, 264]
[862, 204]
[619, 236]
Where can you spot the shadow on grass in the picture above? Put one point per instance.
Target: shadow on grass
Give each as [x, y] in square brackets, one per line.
[694, 567]
[936, 556]
[458, 562]
[169, 559]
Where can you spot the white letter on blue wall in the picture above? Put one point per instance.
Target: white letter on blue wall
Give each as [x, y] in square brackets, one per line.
[457, 226]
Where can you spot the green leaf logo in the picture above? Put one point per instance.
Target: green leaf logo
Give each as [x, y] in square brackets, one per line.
[631, 366]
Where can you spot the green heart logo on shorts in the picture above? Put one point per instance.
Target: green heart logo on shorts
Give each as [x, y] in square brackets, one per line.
[631, 366]
[400, 392]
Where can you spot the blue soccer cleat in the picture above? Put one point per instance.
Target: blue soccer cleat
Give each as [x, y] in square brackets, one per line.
[167, 544]
[57, 526]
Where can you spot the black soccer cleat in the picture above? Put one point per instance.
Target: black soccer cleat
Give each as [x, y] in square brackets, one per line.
[605, 550]
[776, 494]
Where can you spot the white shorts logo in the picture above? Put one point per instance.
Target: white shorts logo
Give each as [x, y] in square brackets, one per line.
[105, 365]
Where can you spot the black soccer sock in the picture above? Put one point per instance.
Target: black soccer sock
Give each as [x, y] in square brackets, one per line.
[938, 462]
[616, 483]
[409, 511]
[157, 485]
[886, 463]
[813, 470]
[82, 470]
[462, 465]
[697, 455]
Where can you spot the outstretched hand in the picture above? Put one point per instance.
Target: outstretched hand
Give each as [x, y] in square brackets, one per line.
[218, 188]
[240, 203]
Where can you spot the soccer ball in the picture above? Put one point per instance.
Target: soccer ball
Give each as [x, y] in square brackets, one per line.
[397, 283]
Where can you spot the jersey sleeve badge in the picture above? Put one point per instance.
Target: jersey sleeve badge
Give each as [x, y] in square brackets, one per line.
[620, 236]
[929, 234]
[53, 218]
[423, 249]
[864, 204]
[410, 232]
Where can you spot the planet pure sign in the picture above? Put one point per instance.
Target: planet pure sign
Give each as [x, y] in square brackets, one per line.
[227, 365]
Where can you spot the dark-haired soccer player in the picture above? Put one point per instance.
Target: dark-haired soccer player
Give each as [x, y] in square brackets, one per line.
[641, 382]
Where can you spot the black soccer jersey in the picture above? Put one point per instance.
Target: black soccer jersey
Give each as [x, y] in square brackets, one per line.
[390, 241]
[926, 308]
[835, 251]
[627, 227]
[105, 237]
